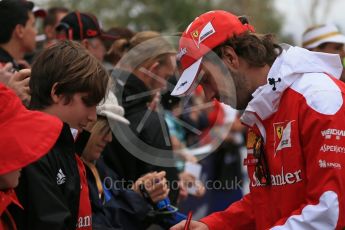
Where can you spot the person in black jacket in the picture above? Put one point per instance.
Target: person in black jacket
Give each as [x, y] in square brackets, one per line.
[115, 206]
[148, 61]
[66, 82]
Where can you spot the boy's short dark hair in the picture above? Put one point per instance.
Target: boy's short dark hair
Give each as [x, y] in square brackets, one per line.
[73, 69]
[12, 13]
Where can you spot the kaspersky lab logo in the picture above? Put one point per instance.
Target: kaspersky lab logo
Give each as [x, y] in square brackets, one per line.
[138, 138]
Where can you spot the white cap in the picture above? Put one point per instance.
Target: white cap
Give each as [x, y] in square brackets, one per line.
[315, 36]
[111, 109]
[186, 84]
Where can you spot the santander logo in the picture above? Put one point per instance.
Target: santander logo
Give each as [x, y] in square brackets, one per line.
[280, 179]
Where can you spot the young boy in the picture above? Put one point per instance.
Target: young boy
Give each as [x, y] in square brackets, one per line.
[66, 82]
[26, 136]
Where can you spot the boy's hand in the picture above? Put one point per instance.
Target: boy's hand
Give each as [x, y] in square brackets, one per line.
[155, 184]
[19, 82]
[5, 73]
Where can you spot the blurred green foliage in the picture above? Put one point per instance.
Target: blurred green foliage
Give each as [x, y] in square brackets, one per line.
[171, 16]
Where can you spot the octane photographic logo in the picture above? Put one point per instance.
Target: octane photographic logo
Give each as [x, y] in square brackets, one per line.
[145, 103]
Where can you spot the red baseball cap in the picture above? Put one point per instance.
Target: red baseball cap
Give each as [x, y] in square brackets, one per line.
[25, 135]
[205, 33]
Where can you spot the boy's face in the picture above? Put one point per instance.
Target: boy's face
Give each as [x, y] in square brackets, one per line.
[9, 180]
[30, 31]
[76, 113]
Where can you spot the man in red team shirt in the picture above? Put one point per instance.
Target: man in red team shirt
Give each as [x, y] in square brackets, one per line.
[294, 107]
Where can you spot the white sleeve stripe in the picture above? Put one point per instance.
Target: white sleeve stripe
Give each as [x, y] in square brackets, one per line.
[323, 215]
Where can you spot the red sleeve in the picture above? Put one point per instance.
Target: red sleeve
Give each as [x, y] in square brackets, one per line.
[237, 216]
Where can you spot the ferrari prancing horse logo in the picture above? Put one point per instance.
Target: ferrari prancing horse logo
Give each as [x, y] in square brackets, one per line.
[282, 135]
[195, 34]
[279, 131]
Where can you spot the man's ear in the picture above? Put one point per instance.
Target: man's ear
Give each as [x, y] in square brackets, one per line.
[18, 31]
[55, 97]
[152, 71]
[230, 57]
[154, 67]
